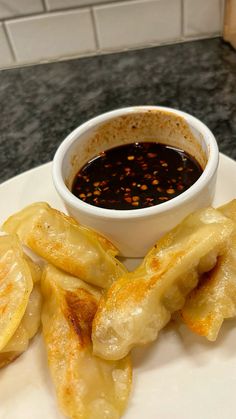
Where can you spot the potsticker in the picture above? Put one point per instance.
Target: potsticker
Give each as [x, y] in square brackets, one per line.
[214, 299]
[15, 287]
[139, 304]
[66, 244]
[87, 387]
[20, 299]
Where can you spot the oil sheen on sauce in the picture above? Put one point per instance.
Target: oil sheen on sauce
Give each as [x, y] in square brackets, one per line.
[137, 175]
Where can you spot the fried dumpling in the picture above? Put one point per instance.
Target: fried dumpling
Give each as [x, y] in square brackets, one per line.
[15, 287]
[138, 305]
[87, 387]
[66, 244]
[27, 328]
[214, 299]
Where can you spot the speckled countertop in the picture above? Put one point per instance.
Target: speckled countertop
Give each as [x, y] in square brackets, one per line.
[41, 104]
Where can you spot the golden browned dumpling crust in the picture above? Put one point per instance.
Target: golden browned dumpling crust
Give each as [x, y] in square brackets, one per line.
[140, 303]
[20, 299]
[215, 298]
[87, 387]
[66, 244]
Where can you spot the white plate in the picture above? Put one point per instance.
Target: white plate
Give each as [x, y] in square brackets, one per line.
[180, 376]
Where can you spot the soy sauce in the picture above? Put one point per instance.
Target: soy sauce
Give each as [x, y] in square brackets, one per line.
[137, 175]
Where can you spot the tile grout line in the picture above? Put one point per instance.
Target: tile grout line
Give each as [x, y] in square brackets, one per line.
[45, 6]
[10, 44]
[95, 32]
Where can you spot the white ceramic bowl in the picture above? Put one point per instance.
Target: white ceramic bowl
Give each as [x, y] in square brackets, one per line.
[135, 231]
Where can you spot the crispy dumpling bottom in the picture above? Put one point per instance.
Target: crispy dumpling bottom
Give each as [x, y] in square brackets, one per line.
[87, 387]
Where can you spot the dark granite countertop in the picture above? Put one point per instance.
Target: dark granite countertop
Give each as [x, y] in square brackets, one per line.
[41, 104]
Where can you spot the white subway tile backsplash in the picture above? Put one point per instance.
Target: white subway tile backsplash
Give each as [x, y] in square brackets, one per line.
[34, 31]
[62, 4]
[137, 22]
[6, 58]
[202, 17]
[52, 36]
[13, 8]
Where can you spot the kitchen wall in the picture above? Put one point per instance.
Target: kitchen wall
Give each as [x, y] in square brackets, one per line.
[33, 31]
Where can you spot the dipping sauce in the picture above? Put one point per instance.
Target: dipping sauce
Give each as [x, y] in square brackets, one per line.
[136, 175]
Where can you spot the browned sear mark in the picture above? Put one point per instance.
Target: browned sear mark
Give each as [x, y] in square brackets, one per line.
[80, 309]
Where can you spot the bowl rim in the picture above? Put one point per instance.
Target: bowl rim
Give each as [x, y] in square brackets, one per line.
[167, 206]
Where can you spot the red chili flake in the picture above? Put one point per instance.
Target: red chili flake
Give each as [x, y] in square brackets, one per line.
[135, 198]
[103, 183]
[180, 187]
[127, 169]
[151, 155]
[144, 187]
[128, 199]
[147, 176]
[134, 184]
[127, 189]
